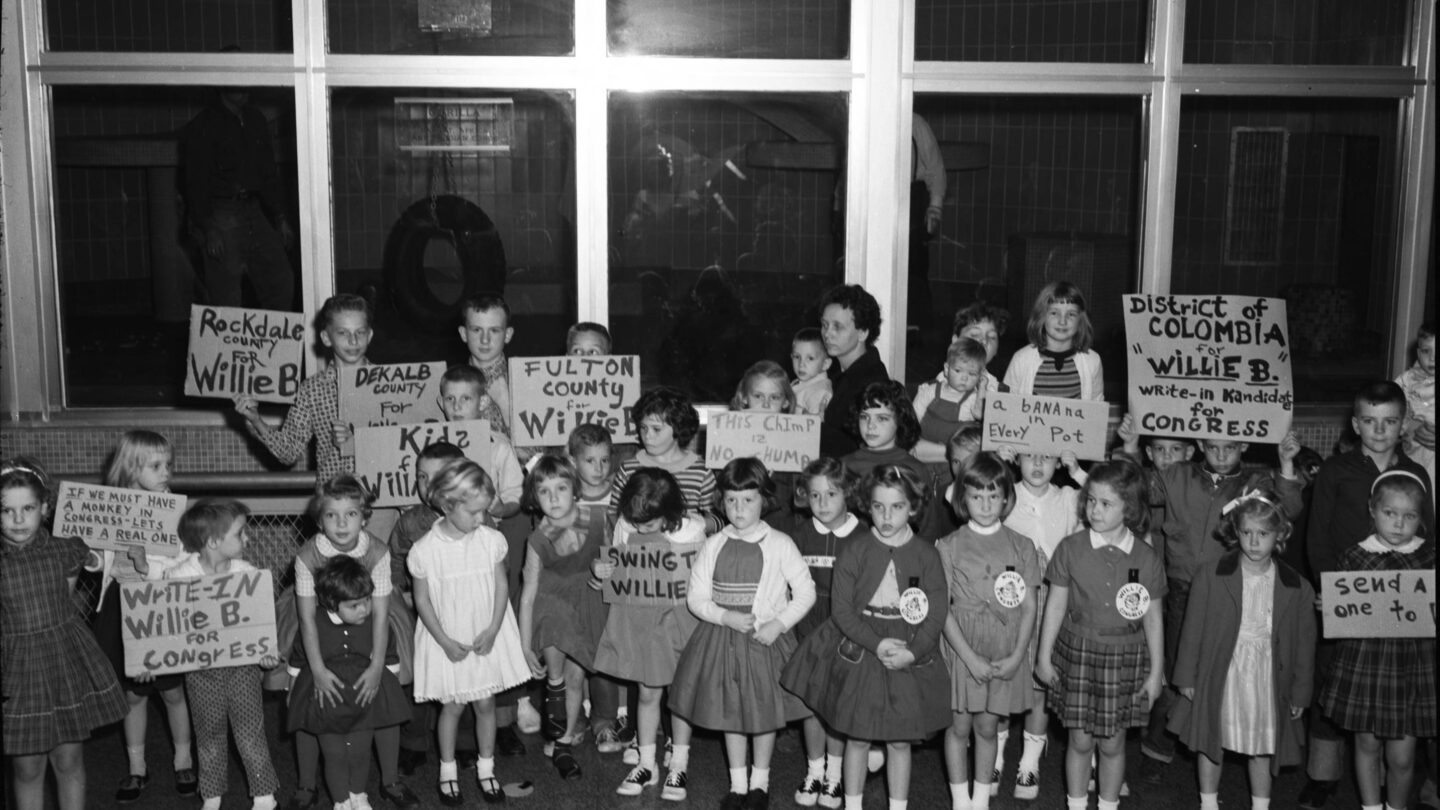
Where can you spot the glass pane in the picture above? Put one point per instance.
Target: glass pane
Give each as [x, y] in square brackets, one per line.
[726, 229]
[1295, 199]
[1039, 189]
[737, 29]
[168, 26]
[452, 27]
[1031, 30]
[147, 179]
[442, 195]
[1297, 32]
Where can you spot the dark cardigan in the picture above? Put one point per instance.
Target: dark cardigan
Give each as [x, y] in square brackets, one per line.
[858, 570]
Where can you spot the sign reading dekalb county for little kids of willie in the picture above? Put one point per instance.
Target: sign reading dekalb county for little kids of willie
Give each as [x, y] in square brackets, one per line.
[181, 625]
[385, 455]
[117, 519]
[655, 573]
[396, 394]
[1209, 366]
[550, 396]
[783, 442]
[1048, 426]
[1378, 604]
[236, 351]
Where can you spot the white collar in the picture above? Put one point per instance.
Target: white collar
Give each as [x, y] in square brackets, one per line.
[1098, 541]
[327, 548]
[334, 617]
[985, 530]
[850, 524]
[1375, 545]
[754, 534]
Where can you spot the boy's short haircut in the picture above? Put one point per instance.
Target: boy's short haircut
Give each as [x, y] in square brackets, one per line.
[344, 302]
[484, 303]
[443, 451]
[673, 408]
[1381, 392]
[864, 309]
[977, 312]
[588, 435]
[968, 436]
[342, 578]
[808, 334]
[1427, 330]
[581, 328]
[342, 487]
[967, 350]
[207, 519]
[463, 373]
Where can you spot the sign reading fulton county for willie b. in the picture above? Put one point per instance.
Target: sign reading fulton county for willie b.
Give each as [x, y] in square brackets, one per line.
[551, 396]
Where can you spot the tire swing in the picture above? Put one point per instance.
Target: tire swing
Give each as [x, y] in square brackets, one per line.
[463, 228]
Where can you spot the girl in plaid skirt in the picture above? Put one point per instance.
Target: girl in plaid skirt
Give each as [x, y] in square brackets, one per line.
[1383, 689]
[1100, 643]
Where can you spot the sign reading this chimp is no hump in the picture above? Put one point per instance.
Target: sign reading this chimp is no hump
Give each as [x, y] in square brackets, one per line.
[254, 352]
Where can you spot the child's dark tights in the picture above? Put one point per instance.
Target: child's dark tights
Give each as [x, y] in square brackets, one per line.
[347, 762]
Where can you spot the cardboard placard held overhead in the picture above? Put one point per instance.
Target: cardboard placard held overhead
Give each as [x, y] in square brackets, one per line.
[385, 455]
[396, 394]
[255, 352]
[181, 625]
[1378, 604]
[654, 573]
[119, 519]
[783, 442]
[1045, 425]
[1209, 366]
[550, 396]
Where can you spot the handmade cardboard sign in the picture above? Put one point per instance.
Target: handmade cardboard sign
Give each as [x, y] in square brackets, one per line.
[397, 394]
[119, 519]
[1045, 425]
[783, 442]
[236, 351]
[181, 625]
[385, 455]
[550, 396]
[655, 573]
[1378, 604]
[1209, 366]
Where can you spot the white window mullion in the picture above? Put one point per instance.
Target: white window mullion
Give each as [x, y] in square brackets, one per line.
[1417, 195]
[592, 134]
[1162, 148]
[313, 180]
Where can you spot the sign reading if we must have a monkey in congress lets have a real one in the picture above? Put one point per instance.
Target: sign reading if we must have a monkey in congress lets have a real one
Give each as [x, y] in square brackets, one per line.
[1209, 366]
[119, 519]
[551, 396]
[254, 352]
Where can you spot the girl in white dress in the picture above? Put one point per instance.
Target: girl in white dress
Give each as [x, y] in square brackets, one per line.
[467, 647]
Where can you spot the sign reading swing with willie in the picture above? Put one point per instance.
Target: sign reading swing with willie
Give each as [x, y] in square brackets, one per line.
[1209, 366]
[254, 352]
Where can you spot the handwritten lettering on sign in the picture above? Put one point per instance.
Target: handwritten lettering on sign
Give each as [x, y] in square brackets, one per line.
[254, 352]
[1045, 425]
[1209, 366]
[783, 442]
[180, 625]
[1378, 604]
[385, 455]
[550, 396]
[656, 573]
[396, 394]
[119, 519]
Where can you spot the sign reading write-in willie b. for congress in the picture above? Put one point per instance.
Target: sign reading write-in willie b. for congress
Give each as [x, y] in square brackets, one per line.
[385, 455]
[551, 396]
[783, 442]
[1209, 366]
[1378, 604]
[179, 625]
[1047, 426]
[118, 519]
[254, 352]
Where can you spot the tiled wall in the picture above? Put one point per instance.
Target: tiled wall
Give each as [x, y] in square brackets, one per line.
[64, 449]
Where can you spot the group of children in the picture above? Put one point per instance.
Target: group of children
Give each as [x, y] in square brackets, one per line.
[860, 598]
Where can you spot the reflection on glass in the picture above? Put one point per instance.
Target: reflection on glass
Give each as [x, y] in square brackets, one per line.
[1297, 32]
[1295, 199]
[1032, 30]
[452, 27]
[132, 235]
[736, 29]
[168, 26]
[1038, 189]
[726, 229]
[443, 195]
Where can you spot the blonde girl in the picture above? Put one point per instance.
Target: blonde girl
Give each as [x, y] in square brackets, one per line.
[764, 387]
[1059, 361]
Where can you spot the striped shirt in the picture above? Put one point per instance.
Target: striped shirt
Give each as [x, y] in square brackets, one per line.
[1058, 382]
[697, 483]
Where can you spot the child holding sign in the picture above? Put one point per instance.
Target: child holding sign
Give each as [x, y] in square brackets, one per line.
[213, 531]
[141, 461]
[1245, 653]
[58, 686]
[1383, 689]
[749, 586]
[764, 388]
[1100, 641]
[873, 671]
[1059, 361]
[643, 642]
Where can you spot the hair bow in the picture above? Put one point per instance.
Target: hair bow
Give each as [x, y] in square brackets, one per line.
[1252, 495]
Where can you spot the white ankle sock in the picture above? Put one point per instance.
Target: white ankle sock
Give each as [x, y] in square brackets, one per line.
[739, 782]
[485, 767]
[1259, 803]
[1209, 801]
[851, 802]
[1001, 737]
[136, 755]
[1106, 804]
[212, 803]
[1030, 754]
[833, 764]
[1077, 802]
[960, 796]
[266, 802]
[760, 779]
[899, 804]
[679, 758]
[815, 768]
[981, 799]
[647, 756]
[449, 772]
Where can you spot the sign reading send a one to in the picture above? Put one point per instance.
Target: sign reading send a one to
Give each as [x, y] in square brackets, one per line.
[180, 625]
[1378, 604]
[1048, 426]
[385, 455]
[250, 352]
[655, 573]
[118, 519]
[783, 442]
[551, 396]
[1209, 366]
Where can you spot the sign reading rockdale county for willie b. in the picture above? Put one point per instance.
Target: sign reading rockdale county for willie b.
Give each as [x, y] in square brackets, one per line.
[254, 352]
[551, 396]
[1209, 366]
[179, 625]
